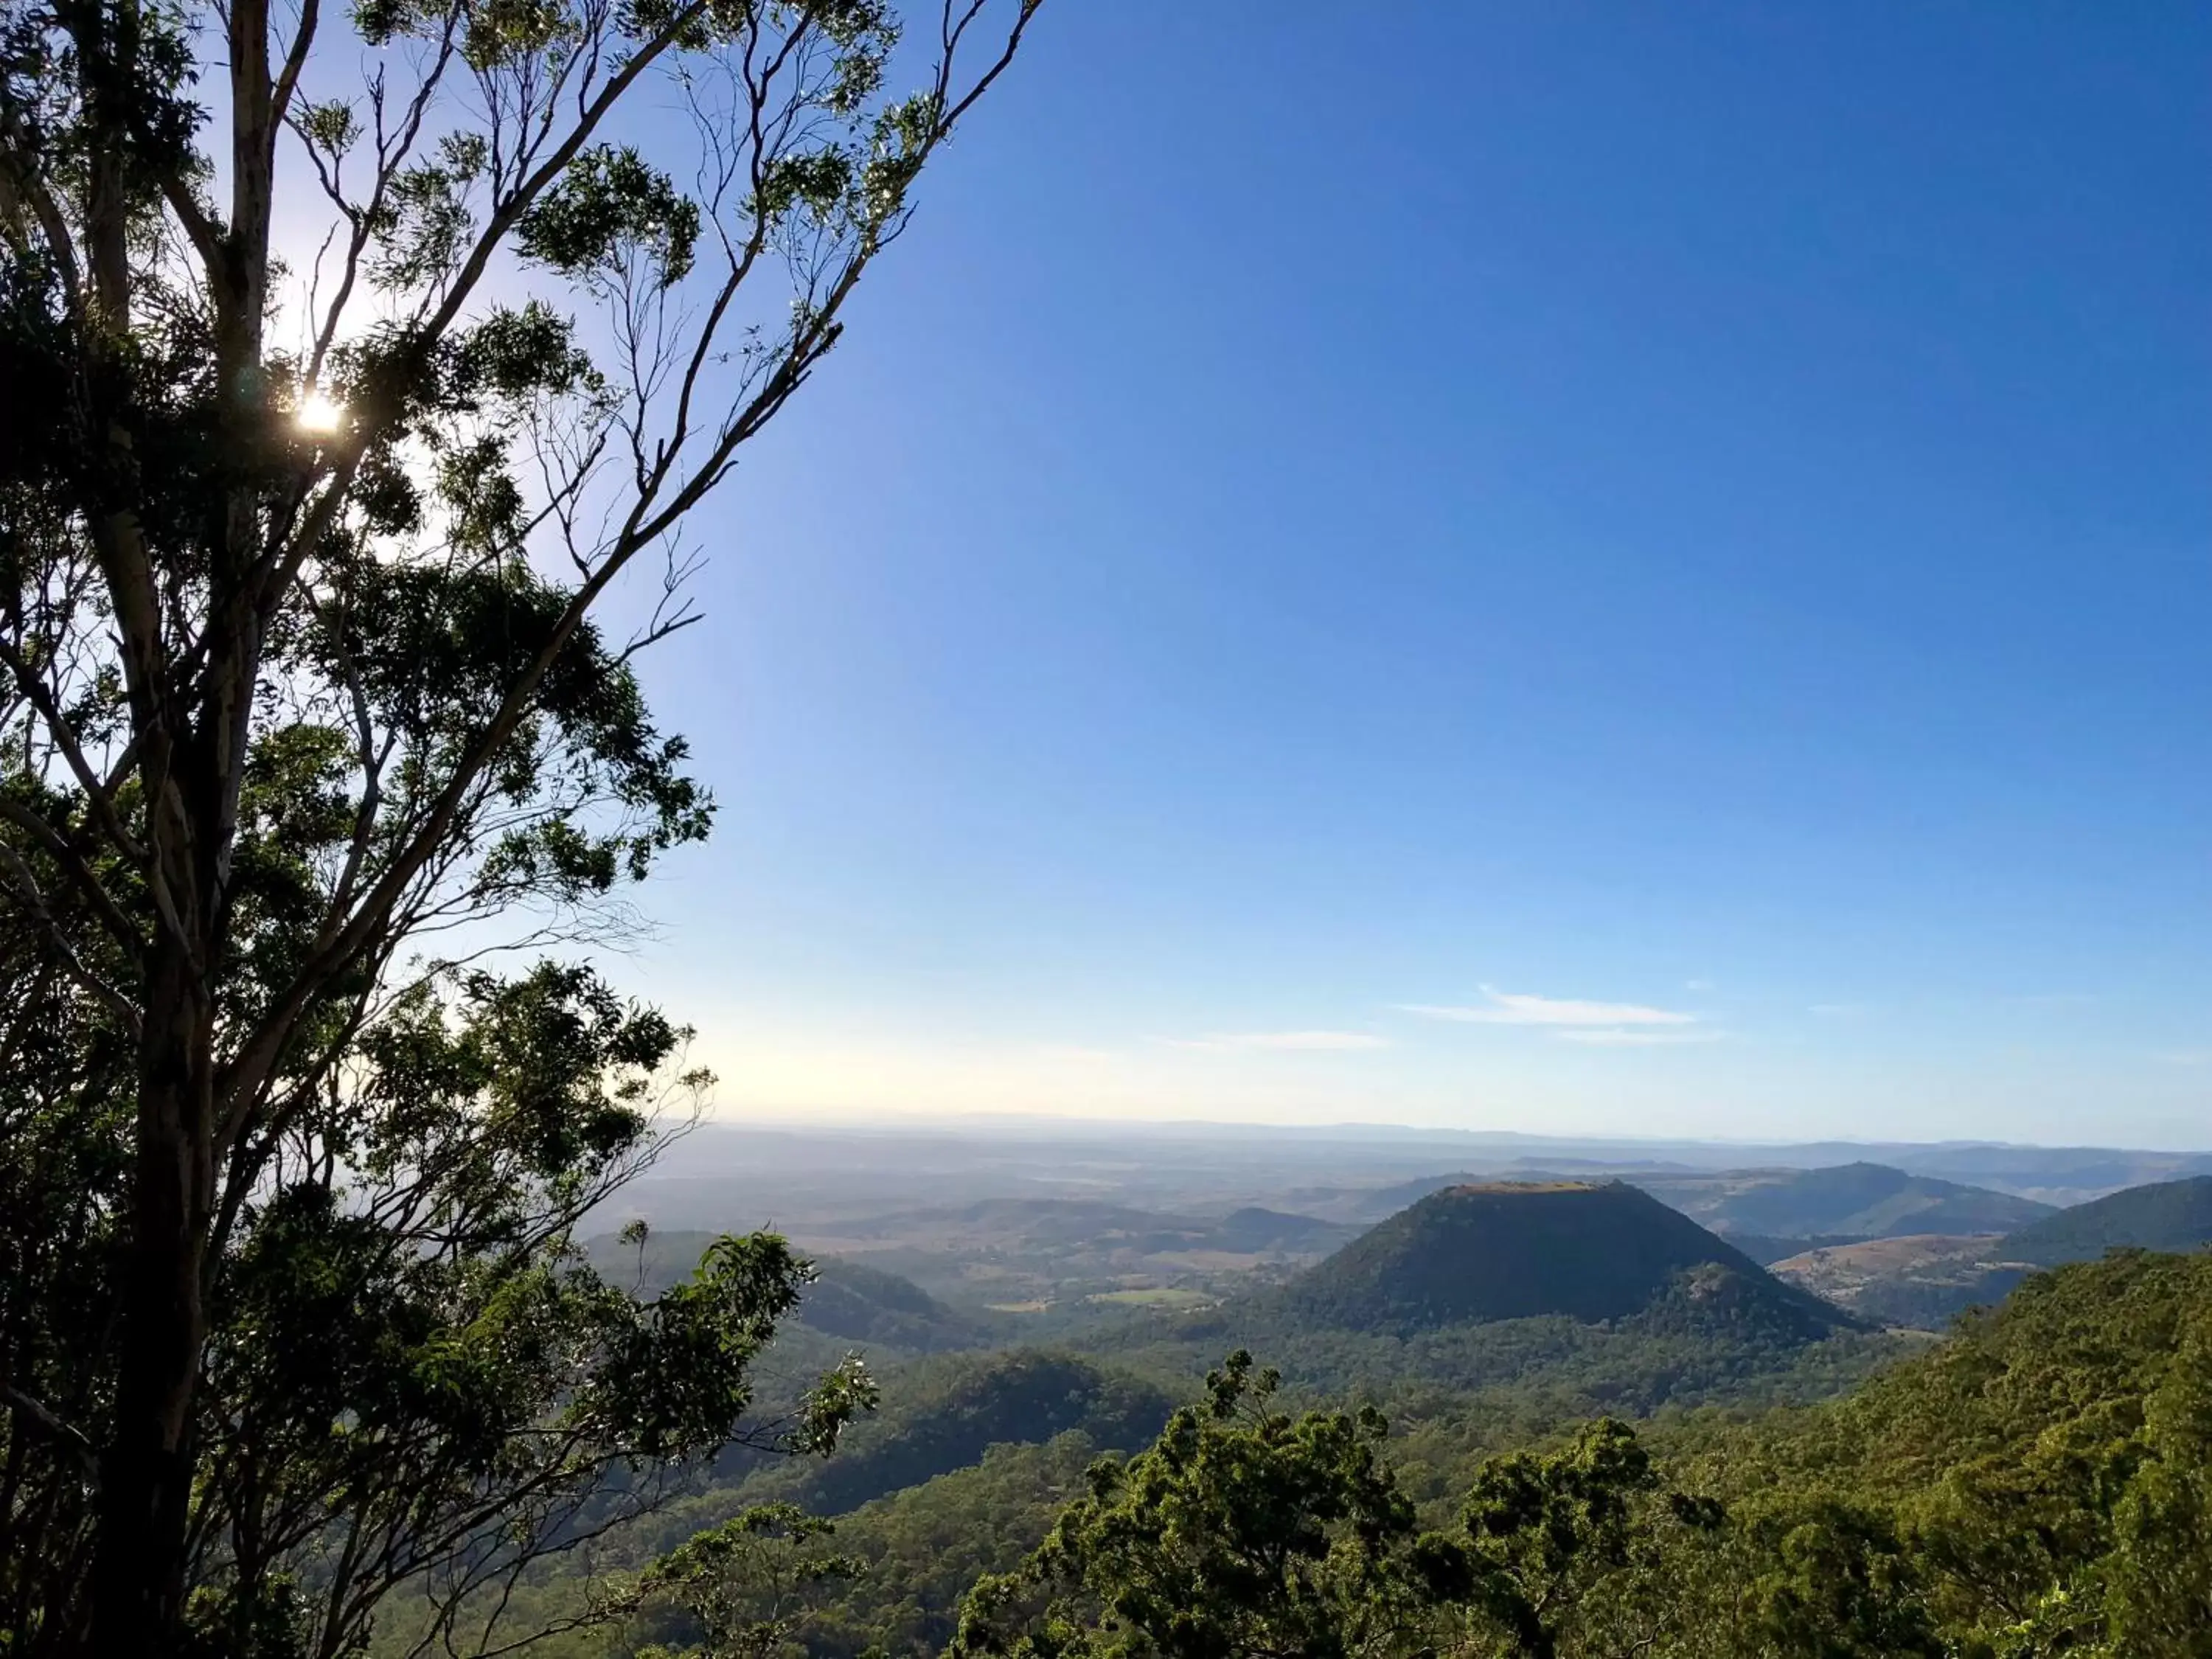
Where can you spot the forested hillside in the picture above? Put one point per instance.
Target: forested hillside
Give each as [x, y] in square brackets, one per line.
[2037, 1484]
[944, 1416]
[1588, 1252]
[843, 1301]
[2165, 1215]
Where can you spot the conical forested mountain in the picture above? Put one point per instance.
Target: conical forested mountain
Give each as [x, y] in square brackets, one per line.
[1588, 1251]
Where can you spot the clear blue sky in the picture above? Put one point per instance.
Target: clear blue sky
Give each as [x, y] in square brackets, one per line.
[1335, 511]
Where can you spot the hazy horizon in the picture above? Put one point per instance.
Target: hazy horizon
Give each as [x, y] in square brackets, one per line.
[1050, 1126]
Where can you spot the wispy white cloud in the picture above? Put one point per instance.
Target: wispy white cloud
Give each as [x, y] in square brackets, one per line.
[1699, 985]
[1615, 1037]
[1291, 1041]
[1519, 1008]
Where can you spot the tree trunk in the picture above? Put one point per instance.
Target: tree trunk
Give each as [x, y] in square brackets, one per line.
[146, 1471]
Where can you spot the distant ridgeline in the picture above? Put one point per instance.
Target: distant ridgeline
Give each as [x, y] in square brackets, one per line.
[2167, 1215]
[1929, 1280]
[1862, 1200]
[1834, 1201]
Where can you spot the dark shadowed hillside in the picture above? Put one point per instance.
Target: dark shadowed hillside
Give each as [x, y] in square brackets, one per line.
[944, 1414]
[863, 1304]
[2168, 1215]
[847, 1301]
[1592, 1253]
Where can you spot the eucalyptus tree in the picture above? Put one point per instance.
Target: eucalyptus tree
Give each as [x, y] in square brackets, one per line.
[309, 546]
[1242, 1533]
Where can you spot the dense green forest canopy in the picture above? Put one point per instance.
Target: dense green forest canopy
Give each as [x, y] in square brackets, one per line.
[2037, 1484]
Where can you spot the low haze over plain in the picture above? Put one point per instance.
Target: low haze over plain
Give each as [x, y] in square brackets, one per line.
[1546, 566]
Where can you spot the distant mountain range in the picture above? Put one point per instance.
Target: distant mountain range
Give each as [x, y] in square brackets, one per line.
[800, 1180]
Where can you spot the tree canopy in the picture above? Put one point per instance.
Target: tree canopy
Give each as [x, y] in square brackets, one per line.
[318, 747]
[2035, 1486]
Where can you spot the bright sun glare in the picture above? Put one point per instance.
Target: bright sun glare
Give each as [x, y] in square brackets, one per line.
[319, 413]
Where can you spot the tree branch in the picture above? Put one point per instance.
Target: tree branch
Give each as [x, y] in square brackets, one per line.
[42, 1416]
